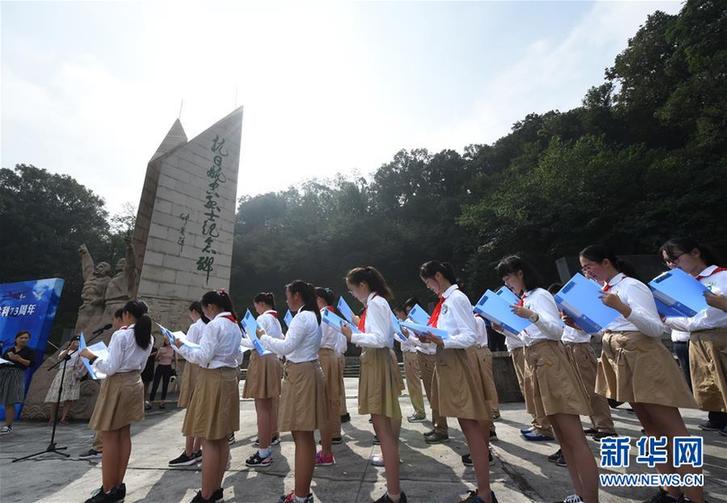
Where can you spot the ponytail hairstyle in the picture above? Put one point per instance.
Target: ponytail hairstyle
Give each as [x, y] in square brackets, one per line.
[430, 269]
[267, 298]
[221, 299]
[373, 278]
[326, 294]
[675, 246]
[196, 306]
[514, 264]
[307, 294]
[599, 253]
[142, 325]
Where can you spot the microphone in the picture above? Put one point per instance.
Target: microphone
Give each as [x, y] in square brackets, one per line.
[99, 330]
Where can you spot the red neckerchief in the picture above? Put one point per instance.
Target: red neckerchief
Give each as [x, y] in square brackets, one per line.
[606, 287]
[274, 313]
[362, 319]
[331, 309]
[521, 302]
[718, 269]
[231, 318]
[434, 318]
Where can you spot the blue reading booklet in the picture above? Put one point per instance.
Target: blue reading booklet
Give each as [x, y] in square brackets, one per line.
[667, 311]
[173, 336]
[508, 295]
[679, 291]
[288, 318]
[336, 321]
[580, 299]
[249, 323]
[345, 309]
[498, 310]
[418, 315]
[100, 350]
[397, 328]
[420, 329]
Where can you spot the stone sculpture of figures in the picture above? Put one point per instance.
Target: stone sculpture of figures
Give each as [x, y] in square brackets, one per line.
[95, 281]
[122, 286]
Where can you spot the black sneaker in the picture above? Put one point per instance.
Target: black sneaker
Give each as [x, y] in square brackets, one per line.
[416, 418]
[346, 418]
[437, 438]
[429, 433]
[661, 497]
[114, 496]
[385, 498]
[467, 459]
[275, 441]
[554, 457]
[473, 497]
[91, 454]
[231, 438]
[122, 490]
[376, 440]
[184, 460]
[561, 461]
[256, 461]
[711, 426]
[493, 435]
[603, 434]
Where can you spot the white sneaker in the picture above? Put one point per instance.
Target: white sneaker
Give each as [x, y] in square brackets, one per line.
[379, 460]
[6, 429]
[573, 498]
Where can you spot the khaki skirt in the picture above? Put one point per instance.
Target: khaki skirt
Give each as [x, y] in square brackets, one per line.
[638, 368]
[395, 364]
[460, 392]
[555, 385]
[120, 402]
[332, 376]
[708, 367]
[189, 379]
[214, 410]
[379, 385]
[483, 355]
[303, 400]
[263, 376]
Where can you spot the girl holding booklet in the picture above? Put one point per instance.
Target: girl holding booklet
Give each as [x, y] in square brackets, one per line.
[303, 401]
[331, 365]
[635, 366]
[214, 409]
[192, 448]
[263, 382]
[378, 386]
[557, 391]
[121, 399]
[708, 339]
[460, 391]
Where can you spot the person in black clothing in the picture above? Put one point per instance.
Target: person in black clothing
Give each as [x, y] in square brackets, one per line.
[147, 376]
[12, 377]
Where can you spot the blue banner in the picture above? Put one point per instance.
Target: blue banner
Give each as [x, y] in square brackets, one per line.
[31, 306]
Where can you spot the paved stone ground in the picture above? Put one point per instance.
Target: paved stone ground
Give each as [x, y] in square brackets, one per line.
[429, 473]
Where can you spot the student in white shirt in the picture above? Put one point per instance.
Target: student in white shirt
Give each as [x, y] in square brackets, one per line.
[378, 387]
[193, 446]
[331, 344]
[707, 328]
[556, 390]
[303, 401]
[460, 392]
[121, 399]
[214, 411]
[262, 382]
[635, 366]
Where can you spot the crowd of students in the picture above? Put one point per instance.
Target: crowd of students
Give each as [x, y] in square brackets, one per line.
[297, 382]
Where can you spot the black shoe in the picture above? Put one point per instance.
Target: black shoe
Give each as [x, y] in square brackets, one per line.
[385, 498]
[274, 441]
[231, 438]
[467, 460]
[661, 497]
[590, 431]
[122, 490]
[91, 454]
[114, 496]
[561, 461]
[473, 497]
[346, 418]
[429, 433]
[603, 434]
[376, 440]
[371, 420]
[217, 495]
[184, 460]
[711, 426]
[553, 458]
[437, 438]
[493, 435]
[256, 461]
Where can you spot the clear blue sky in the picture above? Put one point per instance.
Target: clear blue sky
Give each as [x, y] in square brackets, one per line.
[90, 88]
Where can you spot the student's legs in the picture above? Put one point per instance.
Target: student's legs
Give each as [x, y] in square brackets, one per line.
[274, 416]
[478, 442]
[414, 382]
[215, 454]
[667, 421]
[305, 453]
[110, 459]
[264, 410]
[66, 410]
[9, 414]
[52, 414]
[383, 426]
[189, 445]
[124, 452]
[578, 456]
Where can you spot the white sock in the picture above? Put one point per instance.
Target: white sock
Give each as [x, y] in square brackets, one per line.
[264, 453]
[301, 499]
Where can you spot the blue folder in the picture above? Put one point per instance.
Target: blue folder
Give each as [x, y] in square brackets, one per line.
[98, 349]
[580, 299]
[498, 310]
[679, 291]
[667, 311]
[249, 323]
[418, 315]
[173, 338]
[508, 295]
[397, 328]
[420, 329]
[345, 309]
[288, 318]
[336, 321]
